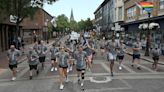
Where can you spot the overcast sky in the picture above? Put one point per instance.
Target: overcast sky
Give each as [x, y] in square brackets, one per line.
[82, 9]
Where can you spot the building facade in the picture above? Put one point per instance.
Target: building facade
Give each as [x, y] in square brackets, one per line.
[98, 18]
[7, 33]
[37, 26]
[119, 10]
[134, 16]
[104, 16]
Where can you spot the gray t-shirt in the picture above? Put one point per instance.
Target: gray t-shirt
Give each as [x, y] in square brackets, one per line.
[13, 55]
[32, 57]
[156, 52]
[136, 46]
[80, 58]
[88, 50]
[63, 58]
[53, 51]
[41, 50]
[121, 50]
[112, 47]
[35, 47]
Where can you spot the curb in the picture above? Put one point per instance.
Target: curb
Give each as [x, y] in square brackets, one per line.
[145, 59]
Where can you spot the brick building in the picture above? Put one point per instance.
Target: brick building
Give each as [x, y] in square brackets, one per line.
[38, 25]
[7, 33]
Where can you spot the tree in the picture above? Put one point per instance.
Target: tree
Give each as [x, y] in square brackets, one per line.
[85, 24]
[88, 24]
[21, 9]
[73, 25]
[81, 25]
[62, 22]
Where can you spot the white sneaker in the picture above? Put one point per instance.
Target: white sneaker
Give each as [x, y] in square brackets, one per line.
[82, 84]
[67, 70]
[13, 78]
[120, 68]
[61, 87]
[70, 68]
[52, 69]
[89, 69]
[66, 80]
[56, 68]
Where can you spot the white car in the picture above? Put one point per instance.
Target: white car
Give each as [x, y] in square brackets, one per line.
[74, 36]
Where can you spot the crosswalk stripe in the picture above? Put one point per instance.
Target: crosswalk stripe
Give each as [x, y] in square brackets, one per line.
[105, 67]
[148, 69]
[127, 68]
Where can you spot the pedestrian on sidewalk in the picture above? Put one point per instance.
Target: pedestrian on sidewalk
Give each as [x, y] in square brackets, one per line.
[120, 53]
[13, 55]
[54, 62]
[111, 54]
[63, 65]
[80, 57]
[155, 55]
[42, 51]
[136, 54]
[33, 61]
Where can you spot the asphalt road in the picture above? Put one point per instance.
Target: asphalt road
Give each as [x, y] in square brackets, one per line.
[98, 80]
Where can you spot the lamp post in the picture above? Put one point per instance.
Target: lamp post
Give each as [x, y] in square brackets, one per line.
[148, 27]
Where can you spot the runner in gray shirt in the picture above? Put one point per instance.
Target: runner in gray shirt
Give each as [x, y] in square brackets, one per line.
[120, 53]
[33, 61]
[89, 49]
[111, 54]
[156, 52]
[80, 57]
[62, 58]
[53, 51]
[71, 49]
[42, 51]
[13, 55]
[136, 54]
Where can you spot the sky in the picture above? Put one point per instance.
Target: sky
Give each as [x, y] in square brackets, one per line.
[82, 9]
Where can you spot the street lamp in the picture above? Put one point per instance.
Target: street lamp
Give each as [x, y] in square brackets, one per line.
[148, 27]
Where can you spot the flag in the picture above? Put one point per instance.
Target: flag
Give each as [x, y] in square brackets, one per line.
[146, 4]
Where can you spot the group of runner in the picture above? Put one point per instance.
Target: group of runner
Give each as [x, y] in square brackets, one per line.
[64, 56]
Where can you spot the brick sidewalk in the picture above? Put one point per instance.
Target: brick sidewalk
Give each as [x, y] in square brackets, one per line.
[147, 58]
[3, 55]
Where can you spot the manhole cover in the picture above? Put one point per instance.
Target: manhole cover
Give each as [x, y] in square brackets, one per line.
[100, 79]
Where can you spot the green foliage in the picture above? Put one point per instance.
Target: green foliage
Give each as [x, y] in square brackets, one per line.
[62, 22]
[73, 25]
[85, 24]
[20, 8]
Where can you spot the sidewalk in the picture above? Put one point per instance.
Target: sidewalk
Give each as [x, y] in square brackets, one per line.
[3, 55]
[146, 58]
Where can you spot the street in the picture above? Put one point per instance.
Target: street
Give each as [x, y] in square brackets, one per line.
[98, 80]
